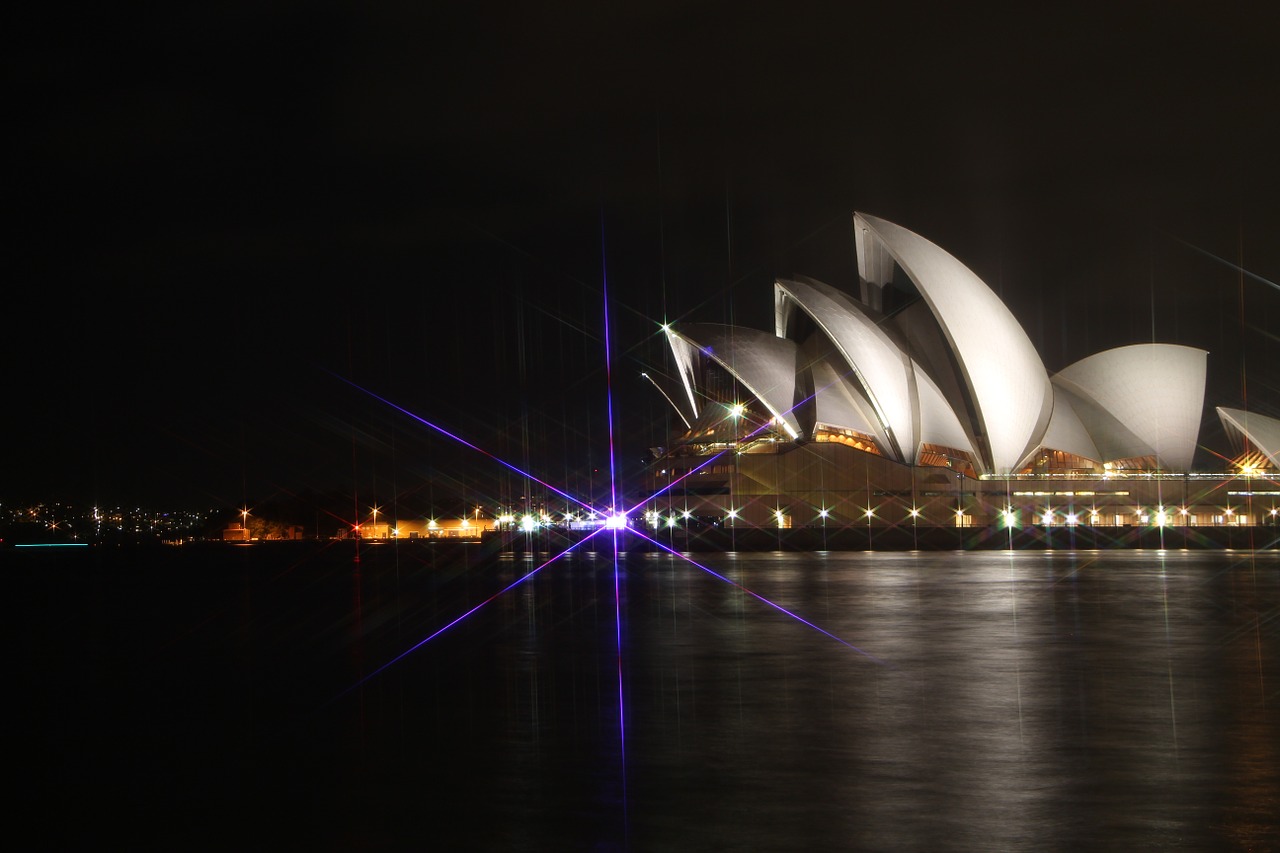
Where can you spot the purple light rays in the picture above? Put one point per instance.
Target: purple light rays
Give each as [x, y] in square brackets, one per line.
[608, 374]
[466, 443]
[622, 705]
[617, 572]
[458, 619]
[613, 509]
[761, 598]
[613, 491]
[671, 485]
[522, 579]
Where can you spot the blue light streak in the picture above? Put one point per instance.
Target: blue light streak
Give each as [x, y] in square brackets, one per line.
[613, 508]
[622, 708]
[446, 627]
[608, 376]
[613, 529]
[761, 598]
[466, 443]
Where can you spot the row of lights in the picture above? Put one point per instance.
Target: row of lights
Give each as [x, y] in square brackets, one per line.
[529, 523]
[1009, 516]
[1163, 517]
[619, 521]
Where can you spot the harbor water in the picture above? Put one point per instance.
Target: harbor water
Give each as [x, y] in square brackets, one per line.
[306, 695]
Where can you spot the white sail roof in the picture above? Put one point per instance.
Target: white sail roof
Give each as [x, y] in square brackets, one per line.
[683, 353]
[953, 369]
[877, 363]
[1262, 432]
[1009, 389]
[667, 387]
[1154, 391]
[765, 364]
[1066, 432]
[838, 403]
[938, 421]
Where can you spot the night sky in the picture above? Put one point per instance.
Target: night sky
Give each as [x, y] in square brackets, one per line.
[224, 214]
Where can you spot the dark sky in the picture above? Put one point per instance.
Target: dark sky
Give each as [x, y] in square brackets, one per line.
[220, 214]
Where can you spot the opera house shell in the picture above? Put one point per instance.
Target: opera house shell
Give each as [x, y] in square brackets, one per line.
[931, 364]
[924, 370]
[1256, 433]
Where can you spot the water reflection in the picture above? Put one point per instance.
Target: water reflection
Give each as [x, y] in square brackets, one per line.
[1035, 701]
[1029, 701]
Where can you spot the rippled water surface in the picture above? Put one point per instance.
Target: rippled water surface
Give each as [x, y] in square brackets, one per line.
[967, 701]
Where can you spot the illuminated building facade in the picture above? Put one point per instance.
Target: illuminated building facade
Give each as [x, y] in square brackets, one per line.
[922, 401]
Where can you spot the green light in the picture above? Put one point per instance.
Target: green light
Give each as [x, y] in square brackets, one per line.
[55, 545]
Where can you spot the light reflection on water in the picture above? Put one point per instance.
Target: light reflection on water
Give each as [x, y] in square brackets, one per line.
[1123, 700]
[1030, 701]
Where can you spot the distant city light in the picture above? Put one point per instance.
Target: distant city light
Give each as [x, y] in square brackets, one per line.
[53, 545]
[618, 521]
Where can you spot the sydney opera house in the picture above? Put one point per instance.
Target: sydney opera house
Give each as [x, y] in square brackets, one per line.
[920, 400]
